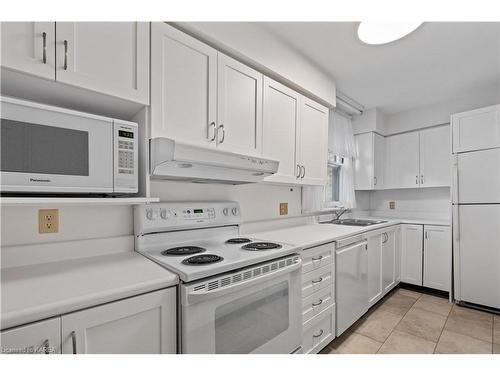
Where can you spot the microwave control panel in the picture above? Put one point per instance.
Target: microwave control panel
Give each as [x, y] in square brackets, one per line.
[126, 151]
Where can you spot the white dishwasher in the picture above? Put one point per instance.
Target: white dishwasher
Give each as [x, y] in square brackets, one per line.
[351, 265]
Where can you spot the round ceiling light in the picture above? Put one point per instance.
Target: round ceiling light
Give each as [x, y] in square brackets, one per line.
[385, 32]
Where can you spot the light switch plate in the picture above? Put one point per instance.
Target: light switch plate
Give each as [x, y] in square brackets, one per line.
[284, 208]
[392, 205]
[48, 221]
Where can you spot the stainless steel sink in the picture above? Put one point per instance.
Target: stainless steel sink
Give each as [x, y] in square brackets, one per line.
[355, 222]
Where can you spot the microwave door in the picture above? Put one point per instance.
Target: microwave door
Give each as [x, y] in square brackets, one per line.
[49, 151]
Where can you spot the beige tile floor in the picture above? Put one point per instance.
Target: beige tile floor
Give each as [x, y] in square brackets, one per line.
[410, 322]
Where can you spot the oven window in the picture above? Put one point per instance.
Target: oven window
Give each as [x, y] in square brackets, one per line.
[33, 148]
[247, 323]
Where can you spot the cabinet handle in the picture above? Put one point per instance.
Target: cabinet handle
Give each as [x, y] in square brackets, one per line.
[386, 238]
[317, 303]
[221, 127]
[65, 55]
[46, 346]
[319, 334]
[298, 170]
[73, 341]
[303, 172]
[44, 39]
[317, 281]
[422, 179]
[426, 235]
[375, 181]
[318, 257]
[416, 180]
[212, 125]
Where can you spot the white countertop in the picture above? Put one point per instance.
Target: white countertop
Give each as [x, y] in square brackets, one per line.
[310, 235]
[40, 291]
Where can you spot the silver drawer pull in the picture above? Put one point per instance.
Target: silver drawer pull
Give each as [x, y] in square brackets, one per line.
[317, 303]
[317, 281]
[221, 128]
[73, 341]
[318, 257]
[65, 55]
[319, 334]
[214, 127]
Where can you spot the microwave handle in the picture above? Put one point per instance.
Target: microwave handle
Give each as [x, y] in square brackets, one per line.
[195, 297]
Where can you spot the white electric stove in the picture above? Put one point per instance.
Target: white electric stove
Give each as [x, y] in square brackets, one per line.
[237, 294]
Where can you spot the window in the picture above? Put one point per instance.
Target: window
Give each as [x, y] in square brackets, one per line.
[333, 185]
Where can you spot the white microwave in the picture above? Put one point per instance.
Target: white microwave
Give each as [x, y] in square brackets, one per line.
[51, 150]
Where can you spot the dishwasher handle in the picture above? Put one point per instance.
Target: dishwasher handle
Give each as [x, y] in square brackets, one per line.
[353, 246]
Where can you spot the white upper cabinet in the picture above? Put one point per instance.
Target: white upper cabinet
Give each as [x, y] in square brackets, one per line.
[37, 338]
[183, 87]
[239, 107]
[402, 161]
[29, 47]
[279, 130]
[411, 254]
[437, 257]
[369, 167]
[313, 142]
[476, 130]
[144, 324]
[435, 157]
[108, 57]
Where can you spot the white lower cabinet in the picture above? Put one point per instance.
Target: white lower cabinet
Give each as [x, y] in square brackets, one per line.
[37, 338]
[142, 324]
[383, 258]
[437, 257]
[411, 254]
[318, 297]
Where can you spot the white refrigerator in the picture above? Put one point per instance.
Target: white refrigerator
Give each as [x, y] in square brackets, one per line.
[476, 227]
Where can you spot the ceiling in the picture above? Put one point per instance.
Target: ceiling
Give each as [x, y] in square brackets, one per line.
[437, 62]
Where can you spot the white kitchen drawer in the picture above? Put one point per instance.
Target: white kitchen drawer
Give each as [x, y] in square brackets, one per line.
[315, 280]
[317, 257]
[318, 332]
[317, 302]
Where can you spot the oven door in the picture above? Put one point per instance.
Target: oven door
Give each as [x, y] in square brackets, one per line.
[46, 149]
[254, 310]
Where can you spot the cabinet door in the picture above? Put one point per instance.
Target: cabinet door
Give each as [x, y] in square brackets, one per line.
[239, 107]
[437, 257]
[108, 57]
[374, 269]
[435, 157]
[144, 325]
[402, 161]
[399, 241]
[379, 161]
[29, 47]
[364, 164]
[476, 130]
[313, 142]
[38, 338]
[281, 119]
[411, 254]
[388, 260]
[183, 87]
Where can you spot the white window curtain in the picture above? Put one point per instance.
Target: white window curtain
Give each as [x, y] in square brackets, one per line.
[340, 142]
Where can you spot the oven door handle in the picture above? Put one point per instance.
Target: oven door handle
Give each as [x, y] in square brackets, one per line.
[196, 297]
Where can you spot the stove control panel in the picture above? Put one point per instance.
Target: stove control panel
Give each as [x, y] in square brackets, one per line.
[168, 216]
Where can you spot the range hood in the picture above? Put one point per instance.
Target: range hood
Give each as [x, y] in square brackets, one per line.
[172, 160]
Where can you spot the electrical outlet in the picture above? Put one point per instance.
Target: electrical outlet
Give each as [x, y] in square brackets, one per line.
[392, 205]
[48, 221]
[283, 208]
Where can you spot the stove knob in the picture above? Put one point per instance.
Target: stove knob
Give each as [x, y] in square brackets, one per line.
[234, 211]
[151, 214]
[225, 211]
[164, 214]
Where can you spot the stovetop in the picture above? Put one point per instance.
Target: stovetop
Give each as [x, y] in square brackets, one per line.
[206, 233]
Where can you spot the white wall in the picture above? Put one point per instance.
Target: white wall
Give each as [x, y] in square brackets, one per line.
[253, 44]
[440, 113]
